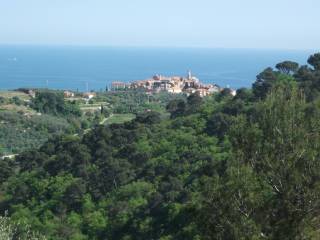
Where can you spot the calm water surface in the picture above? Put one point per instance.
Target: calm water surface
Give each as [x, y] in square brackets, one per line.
[74, 67]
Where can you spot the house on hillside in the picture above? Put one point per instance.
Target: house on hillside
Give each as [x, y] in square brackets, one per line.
[68, 94]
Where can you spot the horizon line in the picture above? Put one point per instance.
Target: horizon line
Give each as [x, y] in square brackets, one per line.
[154, 47]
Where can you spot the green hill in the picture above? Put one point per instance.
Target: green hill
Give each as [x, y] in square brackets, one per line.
[222, 167]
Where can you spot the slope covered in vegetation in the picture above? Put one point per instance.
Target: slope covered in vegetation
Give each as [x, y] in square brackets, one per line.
[27, 122]
[223, 167]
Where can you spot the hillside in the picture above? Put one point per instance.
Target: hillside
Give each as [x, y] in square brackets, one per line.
[220, 167]
[29, 120]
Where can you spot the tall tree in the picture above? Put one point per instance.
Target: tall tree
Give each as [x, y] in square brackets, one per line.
[314, 61]
[264, 83]
[287, 67]
[281, 145]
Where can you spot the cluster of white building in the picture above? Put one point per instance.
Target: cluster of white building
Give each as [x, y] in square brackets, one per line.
[175, 84]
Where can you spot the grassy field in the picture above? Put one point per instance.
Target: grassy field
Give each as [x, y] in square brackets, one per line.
[92, 107]
[88, 108]
[120, 118]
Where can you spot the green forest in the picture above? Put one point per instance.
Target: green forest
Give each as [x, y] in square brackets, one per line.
[218, 168]
[27, 123]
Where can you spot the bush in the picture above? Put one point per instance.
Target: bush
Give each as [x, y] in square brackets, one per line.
[11, 231]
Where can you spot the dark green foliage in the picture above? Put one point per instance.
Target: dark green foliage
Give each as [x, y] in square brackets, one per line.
[19, 132]
[244, 94]
[148, 118]
[194, 102]
[278, 147]
[6, 169]
[309, 78]
[176, 108]
[52, 102]
[314, 61]
[173, 106]
[264, 83]
[180, 107]
[222, 167]
[287, 67]
[133, 176]
[218, 124]
[137, 101]
[21, 128]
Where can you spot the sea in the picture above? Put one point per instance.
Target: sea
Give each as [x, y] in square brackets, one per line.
[93, 68]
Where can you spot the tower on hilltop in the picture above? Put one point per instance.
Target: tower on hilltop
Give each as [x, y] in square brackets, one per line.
[189, 75]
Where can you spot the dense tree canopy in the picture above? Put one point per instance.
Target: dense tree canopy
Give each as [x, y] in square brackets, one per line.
[52, 102]
[221, 167]
[287, 67]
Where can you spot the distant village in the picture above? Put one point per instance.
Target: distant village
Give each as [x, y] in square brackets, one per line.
[174, 84]
[158, 83]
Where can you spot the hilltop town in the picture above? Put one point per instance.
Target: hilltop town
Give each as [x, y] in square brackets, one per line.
[158, 83]
[175, 84]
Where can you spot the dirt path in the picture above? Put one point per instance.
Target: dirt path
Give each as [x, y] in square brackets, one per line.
[106, 119]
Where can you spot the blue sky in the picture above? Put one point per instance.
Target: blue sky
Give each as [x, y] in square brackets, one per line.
[286, 24]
